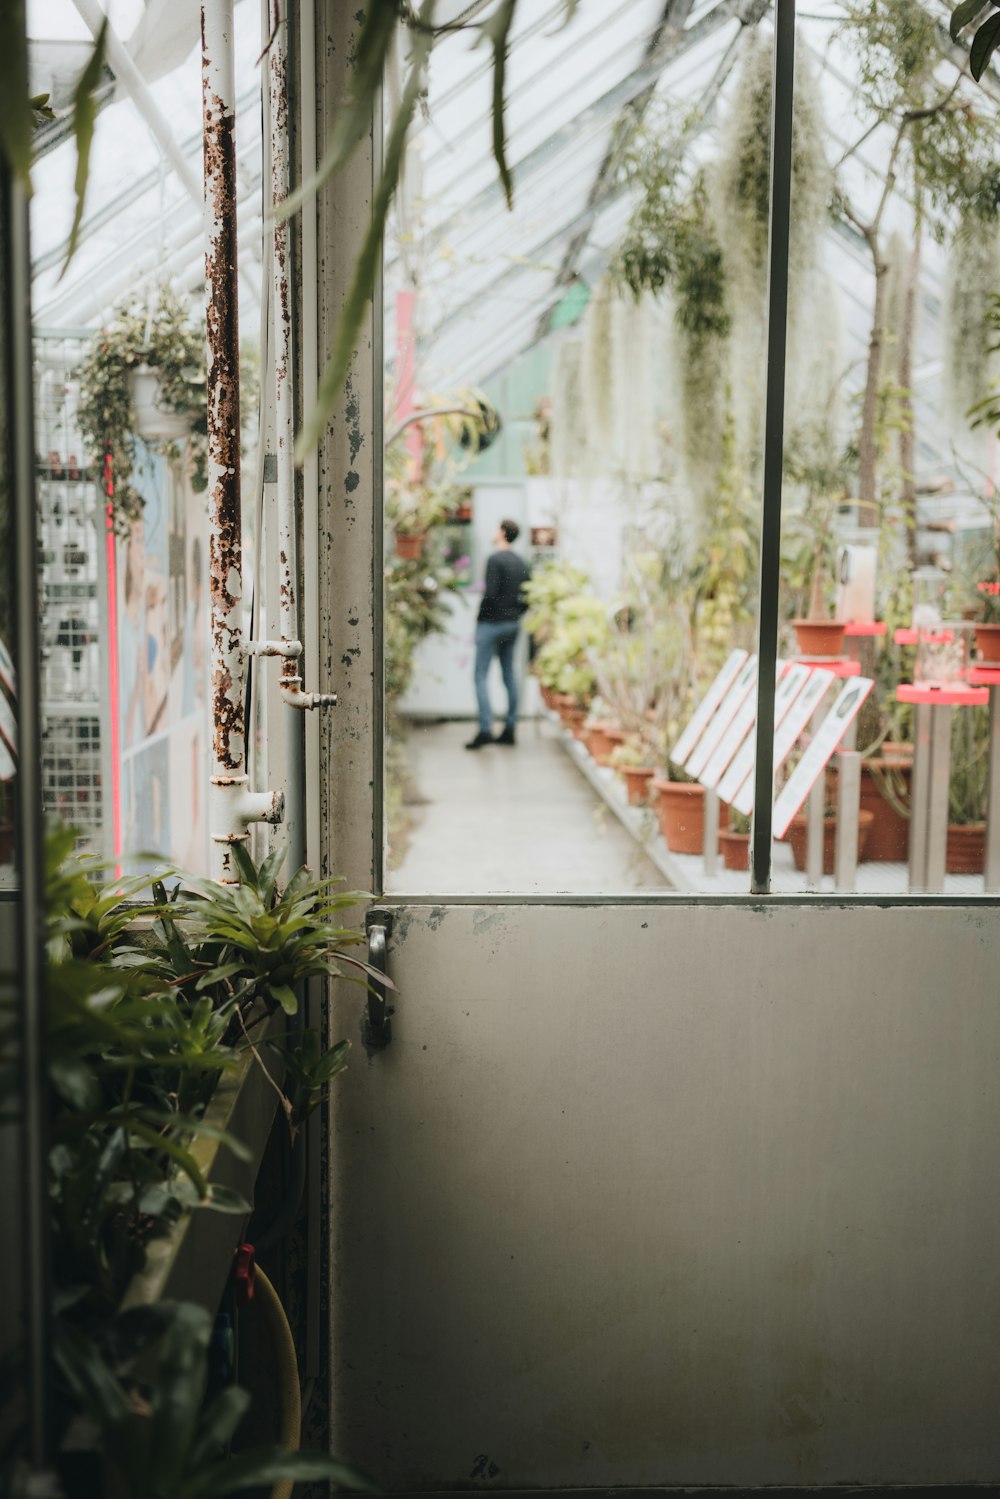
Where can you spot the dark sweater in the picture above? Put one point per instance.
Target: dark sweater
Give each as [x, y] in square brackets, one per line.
[502, 601]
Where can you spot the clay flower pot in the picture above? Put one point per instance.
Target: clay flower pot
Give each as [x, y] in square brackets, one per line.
[965, 851]
[798, 836]
[680, 806]
[573, 719]
[637, 779]
[988, 644]
[735, 849]
[819, 637]
[410, 548]
[889, 835]
[601, 740]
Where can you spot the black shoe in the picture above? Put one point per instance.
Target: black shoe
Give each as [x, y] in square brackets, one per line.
[507, 737]
[479, 741]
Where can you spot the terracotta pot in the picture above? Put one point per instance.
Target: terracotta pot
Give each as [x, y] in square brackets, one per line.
[548, 695]
[797, 836]
[889, 834]
[735, 849]
[573, 719]
[637, 779]
[680, 806]
[965, 851]
[410, 548]
[601, 739]
[988, 643]
[819, 637]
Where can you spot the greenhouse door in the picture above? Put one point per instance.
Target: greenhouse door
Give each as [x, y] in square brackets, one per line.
[647, 1191]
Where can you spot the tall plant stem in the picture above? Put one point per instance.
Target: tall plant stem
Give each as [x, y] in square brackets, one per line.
[907, 435]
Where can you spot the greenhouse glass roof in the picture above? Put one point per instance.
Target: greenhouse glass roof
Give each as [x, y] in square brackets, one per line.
[489, 279]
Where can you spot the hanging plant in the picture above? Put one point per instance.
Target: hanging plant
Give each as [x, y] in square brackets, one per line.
[598, 362]
[970, 361]
[163, 340]
[740, 192]
[568, 432]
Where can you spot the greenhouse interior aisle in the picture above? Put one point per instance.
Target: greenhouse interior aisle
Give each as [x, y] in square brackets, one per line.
[509, 820]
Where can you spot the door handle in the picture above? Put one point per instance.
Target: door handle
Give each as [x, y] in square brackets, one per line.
[377, 1028]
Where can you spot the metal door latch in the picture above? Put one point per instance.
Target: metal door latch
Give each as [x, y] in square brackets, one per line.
[377, 1027]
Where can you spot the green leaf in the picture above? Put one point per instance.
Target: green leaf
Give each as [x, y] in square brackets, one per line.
[497, 29]
[983, 46]
[84, 115]
[286, 997]
[245, 867]
[366, 265]
[15, 105]
[269, 1465]
[961, 16]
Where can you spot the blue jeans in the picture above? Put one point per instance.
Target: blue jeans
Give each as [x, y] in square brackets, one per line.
[496, 638]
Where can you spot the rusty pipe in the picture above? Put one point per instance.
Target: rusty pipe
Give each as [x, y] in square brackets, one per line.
[232, 806]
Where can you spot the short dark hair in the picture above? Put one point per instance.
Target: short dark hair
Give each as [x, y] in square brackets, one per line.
[511, 530]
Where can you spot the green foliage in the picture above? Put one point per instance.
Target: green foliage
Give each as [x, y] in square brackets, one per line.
[141, 1024]
[568, 624]
[375, 42]
[415, 606]
[164, 338]
[725, 565]
[971, 308]
[159, 1437]
[970, 744]
[84, 115]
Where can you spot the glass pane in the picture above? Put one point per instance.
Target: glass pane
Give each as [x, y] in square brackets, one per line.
[603, 413]
[890, 521]
[123, 555]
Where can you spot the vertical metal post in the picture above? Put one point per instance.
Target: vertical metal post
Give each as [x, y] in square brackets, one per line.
[774, 409]
[711, 832]
[15, 330]
[937, 797]
[992, 867]
[845, 860]
[919, 799]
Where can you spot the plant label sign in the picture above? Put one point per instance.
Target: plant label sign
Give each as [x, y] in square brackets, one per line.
[790, 683]
[787, 732]
[810, 767]
[8, 725]
[713, 697]
[8, 674]
[723, 717]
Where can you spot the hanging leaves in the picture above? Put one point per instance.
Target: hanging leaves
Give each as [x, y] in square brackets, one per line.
[84, 115]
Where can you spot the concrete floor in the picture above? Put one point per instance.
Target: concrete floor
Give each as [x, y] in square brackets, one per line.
[510, 821]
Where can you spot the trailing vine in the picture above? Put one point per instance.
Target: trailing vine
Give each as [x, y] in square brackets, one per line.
[168, 341]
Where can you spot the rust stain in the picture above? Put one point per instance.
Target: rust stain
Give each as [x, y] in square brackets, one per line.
[222, 332]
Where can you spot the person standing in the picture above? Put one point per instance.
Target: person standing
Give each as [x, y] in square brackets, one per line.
[497, 626]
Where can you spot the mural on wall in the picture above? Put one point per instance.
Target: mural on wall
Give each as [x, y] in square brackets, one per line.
[163, 664]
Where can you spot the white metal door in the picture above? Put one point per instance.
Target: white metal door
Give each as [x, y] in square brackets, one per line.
[642, 1192]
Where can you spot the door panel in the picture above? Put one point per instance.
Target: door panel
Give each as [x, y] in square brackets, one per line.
[672, 1194]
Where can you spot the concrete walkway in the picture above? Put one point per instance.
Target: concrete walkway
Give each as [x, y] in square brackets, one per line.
[510, 821]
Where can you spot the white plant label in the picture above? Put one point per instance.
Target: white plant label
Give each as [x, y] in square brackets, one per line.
[713, 697]
[8, 724]
[788, 731]
[8, 673]
[723, 717]
[810, 767]
[789, 685]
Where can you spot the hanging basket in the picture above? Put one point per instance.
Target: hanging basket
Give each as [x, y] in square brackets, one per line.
[151, 418]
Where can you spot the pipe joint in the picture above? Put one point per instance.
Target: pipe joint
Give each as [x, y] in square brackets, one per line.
[234, 807]
[292, 695]
[289, 649]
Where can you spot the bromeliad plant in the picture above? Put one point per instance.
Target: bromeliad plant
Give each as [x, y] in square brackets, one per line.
[149, 1003]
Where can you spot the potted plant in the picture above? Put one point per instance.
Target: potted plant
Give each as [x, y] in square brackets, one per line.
[734, 841]
[144, 377]
[798, 830]
[967, 791]
[820, 473]
[631, 758]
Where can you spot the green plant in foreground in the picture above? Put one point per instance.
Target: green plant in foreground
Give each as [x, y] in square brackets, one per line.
[159, 1439]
